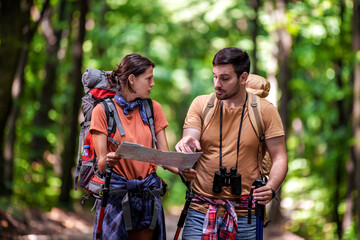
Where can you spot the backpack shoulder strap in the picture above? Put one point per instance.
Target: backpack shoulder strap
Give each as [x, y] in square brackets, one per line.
[150, 116]
[254, 109]
[109, 106]
[208, 109]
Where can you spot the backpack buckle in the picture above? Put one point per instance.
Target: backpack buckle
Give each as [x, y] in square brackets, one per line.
[164, 189]
[84, 198]
[262, 138]
[254, 104]
[142, 195]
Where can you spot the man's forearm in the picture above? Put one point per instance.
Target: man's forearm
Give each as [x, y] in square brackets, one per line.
[278, 173]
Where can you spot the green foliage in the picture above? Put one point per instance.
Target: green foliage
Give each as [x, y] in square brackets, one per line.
[181, 37]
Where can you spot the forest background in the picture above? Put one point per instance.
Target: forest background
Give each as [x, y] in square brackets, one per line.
[309, 50]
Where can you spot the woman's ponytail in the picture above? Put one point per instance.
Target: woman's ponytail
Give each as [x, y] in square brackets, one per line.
[112, 80]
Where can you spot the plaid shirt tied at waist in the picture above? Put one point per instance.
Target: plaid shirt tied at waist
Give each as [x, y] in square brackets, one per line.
[229, 224]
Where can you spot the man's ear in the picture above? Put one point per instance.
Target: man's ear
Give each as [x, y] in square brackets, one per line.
[243, 77]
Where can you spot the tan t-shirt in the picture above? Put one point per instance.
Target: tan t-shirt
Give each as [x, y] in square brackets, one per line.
[136, 131]
[208, 163]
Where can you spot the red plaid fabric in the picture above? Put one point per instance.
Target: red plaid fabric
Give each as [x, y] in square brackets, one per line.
[209, 227]
[229, 225]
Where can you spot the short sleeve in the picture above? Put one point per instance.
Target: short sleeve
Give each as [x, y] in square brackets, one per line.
[98, 120]
[193, 116]
[272, 121]
[159, 117]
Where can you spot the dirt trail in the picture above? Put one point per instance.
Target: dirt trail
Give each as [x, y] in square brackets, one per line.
[64, 225]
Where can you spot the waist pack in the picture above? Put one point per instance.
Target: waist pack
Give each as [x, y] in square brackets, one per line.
[96, 91]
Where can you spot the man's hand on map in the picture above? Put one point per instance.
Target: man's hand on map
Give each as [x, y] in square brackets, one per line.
[188, 144]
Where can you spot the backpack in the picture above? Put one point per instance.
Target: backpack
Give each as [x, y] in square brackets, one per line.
[96, 91]
[257, 87]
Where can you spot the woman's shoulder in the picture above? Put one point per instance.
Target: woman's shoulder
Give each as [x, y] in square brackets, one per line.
[156, 105]
[98, 110]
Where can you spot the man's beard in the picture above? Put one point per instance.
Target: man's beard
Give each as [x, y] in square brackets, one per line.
[225, 96]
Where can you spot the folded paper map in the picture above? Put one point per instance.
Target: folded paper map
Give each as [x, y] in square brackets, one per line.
[172, 159]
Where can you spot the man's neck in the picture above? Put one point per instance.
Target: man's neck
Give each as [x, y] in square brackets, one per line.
[236, 101]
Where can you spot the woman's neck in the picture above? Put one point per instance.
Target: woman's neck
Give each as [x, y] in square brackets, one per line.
[128, 96]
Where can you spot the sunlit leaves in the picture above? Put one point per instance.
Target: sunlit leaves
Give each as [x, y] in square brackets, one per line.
[181, 37]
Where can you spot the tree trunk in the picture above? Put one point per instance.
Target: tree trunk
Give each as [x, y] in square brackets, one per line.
[284, 48]
[17, 91]
[13, 17]
[102, 23]
[71, 141]
[42, 121]
[342, 123]
[255, 29]
[356, 106]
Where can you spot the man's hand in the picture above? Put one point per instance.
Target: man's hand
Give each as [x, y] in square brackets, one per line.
[189, 174]
[263, 195]
[187, 143]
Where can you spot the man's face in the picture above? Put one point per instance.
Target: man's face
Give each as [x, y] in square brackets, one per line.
[226, 82]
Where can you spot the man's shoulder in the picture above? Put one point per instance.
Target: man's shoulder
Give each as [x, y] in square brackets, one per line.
[265, 104]
[201, 100]
[203, 97]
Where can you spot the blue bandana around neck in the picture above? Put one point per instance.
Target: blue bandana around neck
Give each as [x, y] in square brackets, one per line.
[129, 106]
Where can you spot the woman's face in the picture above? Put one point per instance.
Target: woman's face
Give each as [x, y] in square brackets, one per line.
[143, 84]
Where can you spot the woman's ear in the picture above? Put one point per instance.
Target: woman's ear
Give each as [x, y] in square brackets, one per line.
[131, 79]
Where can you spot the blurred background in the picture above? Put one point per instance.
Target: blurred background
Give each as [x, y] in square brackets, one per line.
[309, 50]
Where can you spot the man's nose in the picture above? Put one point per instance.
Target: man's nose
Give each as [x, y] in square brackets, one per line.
[217, 83]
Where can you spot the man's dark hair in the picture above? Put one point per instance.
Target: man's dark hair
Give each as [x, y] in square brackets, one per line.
[235, 56]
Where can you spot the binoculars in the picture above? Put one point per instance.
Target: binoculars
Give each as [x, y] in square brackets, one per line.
[224, 178]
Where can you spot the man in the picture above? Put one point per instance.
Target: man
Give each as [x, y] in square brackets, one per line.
[229, 140]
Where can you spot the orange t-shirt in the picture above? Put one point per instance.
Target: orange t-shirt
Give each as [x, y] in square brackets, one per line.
[208, 163]
[136, 131]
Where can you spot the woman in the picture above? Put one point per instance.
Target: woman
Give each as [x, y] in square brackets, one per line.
[133, 79]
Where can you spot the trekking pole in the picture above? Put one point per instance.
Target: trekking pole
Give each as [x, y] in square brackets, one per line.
[105, 195]
[184, 212]
[259, 212]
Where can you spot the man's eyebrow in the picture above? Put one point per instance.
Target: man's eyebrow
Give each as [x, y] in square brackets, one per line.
[223, 74]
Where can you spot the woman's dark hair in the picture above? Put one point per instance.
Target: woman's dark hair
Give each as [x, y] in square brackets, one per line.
[131, 64]
[235, 56]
